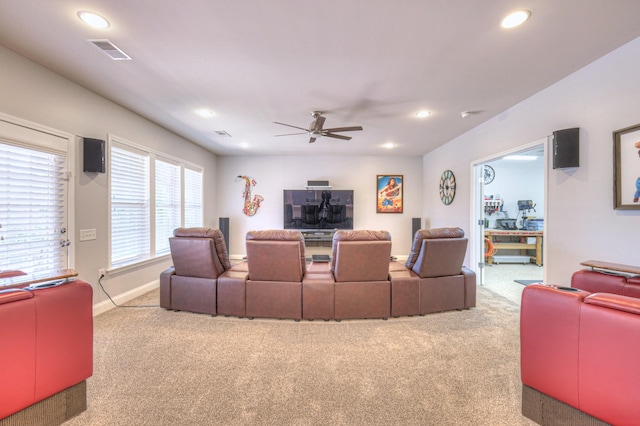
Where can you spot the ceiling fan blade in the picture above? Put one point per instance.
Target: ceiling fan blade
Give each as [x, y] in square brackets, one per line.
[333, 135]
[291, 134]
[344, 129]
[289, 125]
[312, 140]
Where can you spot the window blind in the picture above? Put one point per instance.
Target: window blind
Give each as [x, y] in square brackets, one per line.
[192, 198]
[130, 206]
[33, 191]
[167, 203]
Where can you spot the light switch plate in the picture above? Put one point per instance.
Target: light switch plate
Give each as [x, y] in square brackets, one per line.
[87, 234]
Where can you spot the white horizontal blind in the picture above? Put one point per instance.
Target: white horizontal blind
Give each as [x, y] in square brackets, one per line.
[167, 199]
[130, 206]
[33, 191]
[192, 198]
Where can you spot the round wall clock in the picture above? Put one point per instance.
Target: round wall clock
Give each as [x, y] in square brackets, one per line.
[489, 174]
[447, 187]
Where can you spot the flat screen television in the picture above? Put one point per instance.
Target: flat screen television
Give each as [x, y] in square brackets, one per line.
[318, 209]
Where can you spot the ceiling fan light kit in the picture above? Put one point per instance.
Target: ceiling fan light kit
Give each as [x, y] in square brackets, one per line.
[316, 129]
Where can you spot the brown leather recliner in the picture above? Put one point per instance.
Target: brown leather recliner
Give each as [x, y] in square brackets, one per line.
[360, 266]
[199, 258]
[276, 262]
[436, 257]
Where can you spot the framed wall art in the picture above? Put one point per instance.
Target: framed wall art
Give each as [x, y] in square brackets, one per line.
[389, 193]
[626, 166]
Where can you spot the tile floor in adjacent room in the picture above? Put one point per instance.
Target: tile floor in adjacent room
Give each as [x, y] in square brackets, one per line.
[500, 278]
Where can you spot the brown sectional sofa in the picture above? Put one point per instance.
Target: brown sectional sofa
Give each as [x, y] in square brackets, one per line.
[359, 282]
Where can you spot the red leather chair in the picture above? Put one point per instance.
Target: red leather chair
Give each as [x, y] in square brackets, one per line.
[596, 281]
[199, 258]
[360, 267]
[579, 356]
[277, 265]
[47, 350]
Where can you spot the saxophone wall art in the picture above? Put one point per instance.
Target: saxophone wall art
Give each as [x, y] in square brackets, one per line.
[250, 206]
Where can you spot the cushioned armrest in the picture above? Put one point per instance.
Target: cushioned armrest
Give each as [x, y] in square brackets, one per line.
[614, 301]
[14, 294]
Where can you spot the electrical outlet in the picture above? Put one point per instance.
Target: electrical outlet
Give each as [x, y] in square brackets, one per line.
[101, 273]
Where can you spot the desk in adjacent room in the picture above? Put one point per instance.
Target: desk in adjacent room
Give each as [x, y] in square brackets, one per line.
[522, 245]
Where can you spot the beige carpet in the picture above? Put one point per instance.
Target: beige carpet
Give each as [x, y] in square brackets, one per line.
[157, 367]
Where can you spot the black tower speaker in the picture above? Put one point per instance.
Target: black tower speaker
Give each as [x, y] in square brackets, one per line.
[416, 224]
[94, 155]
[566, 148]
[223, 224]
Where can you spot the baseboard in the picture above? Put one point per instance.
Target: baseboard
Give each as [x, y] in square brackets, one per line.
[546, 410]
[120, 299]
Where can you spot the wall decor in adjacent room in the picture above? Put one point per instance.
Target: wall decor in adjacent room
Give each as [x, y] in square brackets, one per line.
[626, 166]
[489, 174]
[389, 193]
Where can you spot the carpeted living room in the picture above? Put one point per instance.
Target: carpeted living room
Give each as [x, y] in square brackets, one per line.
[154, 366]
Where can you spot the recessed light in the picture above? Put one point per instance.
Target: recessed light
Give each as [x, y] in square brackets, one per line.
[389, 145]
[515, 18]
[206, 113]
[244, 145]
[422, 114]
[93, 19]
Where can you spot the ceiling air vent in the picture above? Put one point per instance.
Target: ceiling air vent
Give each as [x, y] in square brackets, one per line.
[222, 133]
[111, 49]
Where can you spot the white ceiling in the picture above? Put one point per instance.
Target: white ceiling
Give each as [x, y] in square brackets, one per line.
[373, 63]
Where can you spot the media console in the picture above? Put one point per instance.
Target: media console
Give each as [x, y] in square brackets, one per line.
[318, 242]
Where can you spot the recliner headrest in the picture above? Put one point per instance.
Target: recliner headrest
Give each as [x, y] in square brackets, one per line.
[422, 234]
[361, 235]
[275, 234]
[197, 232]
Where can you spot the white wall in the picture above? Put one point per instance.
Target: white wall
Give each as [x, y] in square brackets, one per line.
[581, 223]
[275, 173]
[33, 93]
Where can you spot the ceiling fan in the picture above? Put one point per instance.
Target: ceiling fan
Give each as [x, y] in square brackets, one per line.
[316, 131]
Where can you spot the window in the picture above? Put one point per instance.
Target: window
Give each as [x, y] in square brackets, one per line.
[148, 203]
[33, 217]
[168, 211]
[192, 198]
[129, 206]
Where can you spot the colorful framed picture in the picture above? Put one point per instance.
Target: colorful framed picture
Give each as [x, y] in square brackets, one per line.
[626, 166]
[389, 193]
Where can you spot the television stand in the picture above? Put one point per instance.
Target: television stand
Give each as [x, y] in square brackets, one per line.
[318, 241]
[320, 258]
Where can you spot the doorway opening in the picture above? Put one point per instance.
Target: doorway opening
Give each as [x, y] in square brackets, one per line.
[508, 212]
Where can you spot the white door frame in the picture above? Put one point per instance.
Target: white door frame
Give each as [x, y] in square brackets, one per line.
[476, 227]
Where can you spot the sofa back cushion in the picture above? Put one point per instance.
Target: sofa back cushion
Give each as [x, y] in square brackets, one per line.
[276, 255]
[199, 252]
[361, 255]
[440, 257]
[434, 233]
[218, 241]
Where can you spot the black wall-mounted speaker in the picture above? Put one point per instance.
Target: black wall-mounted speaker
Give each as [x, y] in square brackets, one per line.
[566, 148]
[317, 183]
[94, 152]
[416, 224]
[223, 225]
